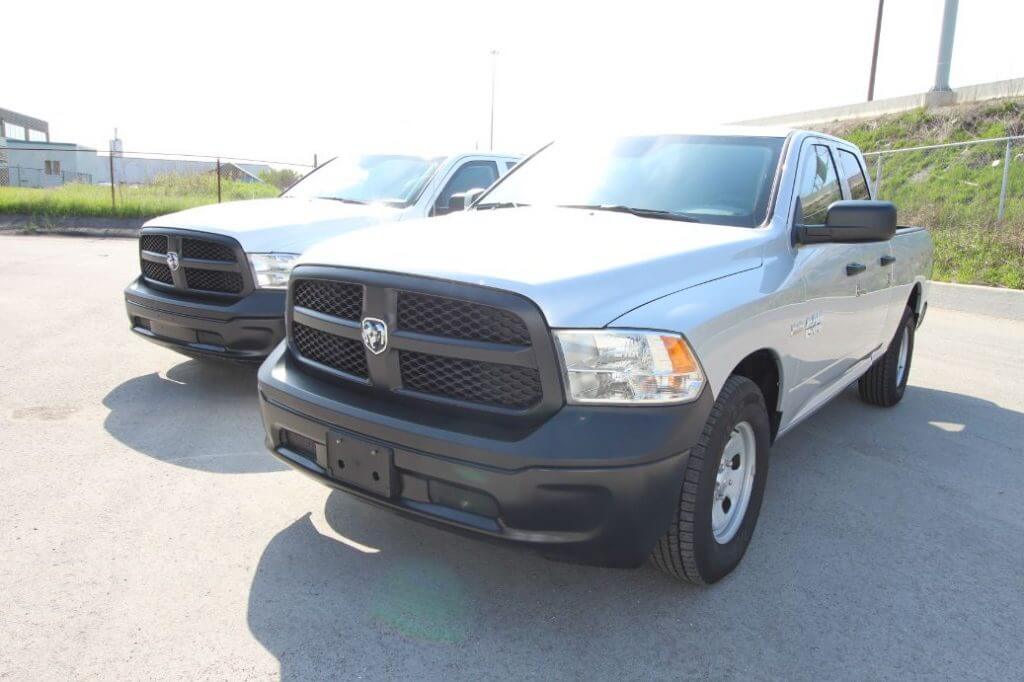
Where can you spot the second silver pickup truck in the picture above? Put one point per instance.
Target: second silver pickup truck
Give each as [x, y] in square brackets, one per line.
[212, 278]
[595, 360]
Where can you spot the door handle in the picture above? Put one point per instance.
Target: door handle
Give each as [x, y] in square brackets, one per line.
[887, 260]
[855, 269]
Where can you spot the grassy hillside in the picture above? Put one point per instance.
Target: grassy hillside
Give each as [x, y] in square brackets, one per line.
[954, 191]
[166, 194]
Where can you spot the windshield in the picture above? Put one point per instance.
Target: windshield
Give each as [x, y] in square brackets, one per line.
[396, 180]
[719, 179]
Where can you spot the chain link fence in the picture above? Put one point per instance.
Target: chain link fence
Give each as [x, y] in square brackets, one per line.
[970, 194]
[21, 176]
[64, 180]
[978, 180]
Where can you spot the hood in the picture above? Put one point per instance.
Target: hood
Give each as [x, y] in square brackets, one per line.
[583, 268]
[287, 225]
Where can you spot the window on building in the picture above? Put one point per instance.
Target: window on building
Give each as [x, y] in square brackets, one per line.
[854, 175]
[819, 184]
[14, 131]
[52, 167]
[36, 135]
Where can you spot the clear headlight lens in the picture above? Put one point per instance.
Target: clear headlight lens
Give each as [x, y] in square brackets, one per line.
[628, 367]
[271, 270]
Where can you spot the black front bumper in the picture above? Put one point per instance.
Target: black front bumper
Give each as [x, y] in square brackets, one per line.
[596, 485]
[246, 329]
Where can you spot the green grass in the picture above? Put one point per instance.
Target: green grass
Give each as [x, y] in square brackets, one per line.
[954, 191]
[166, 194]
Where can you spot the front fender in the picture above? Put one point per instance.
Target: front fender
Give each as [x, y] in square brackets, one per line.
[726, 320]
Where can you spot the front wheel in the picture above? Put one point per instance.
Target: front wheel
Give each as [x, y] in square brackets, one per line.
[722, 489]
[885, 382]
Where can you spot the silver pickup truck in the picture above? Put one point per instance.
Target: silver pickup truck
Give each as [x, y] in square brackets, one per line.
[212, 279]
[595, 359]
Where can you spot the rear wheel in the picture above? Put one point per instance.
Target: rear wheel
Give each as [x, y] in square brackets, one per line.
[886, 381]
[722, 489]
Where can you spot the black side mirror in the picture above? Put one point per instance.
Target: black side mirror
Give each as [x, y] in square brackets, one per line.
[849, 222]
[456, 202]
[462, 200]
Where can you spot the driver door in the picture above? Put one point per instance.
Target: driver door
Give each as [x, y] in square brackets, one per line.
[827, 337]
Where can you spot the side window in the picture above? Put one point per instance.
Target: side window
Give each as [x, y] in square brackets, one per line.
[818, 185]
[854, 175]
[509, 165]
[470, 175]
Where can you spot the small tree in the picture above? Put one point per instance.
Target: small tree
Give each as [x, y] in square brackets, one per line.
[282, 178]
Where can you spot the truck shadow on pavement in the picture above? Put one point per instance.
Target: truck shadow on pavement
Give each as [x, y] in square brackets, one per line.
[870, 559]
[200, 415]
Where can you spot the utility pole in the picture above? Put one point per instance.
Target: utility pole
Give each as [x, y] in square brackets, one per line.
[113, 201]
[494, 74]
[946, 47]
[115, 149]
[874, 52]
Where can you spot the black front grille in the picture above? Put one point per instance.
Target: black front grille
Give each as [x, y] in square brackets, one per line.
[221, 273]
[157, 271]
[340, 299]
[157, 243]
[446, 342]
[344, 355]
[218, 281]
[206, 250]
[459, 319]
[471, 381]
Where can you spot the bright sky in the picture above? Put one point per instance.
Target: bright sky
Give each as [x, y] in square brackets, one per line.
[285, 80]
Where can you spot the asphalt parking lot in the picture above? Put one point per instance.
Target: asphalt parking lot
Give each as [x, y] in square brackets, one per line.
[147, 534]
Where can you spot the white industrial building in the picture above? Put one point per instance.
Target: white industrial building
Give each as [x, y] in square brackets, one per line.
[29, 159]
[49, 164]
[140, 171]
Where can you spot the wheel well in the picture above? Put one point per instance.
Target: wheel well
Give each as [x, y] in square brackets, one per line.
[762, 367]
[915, 300]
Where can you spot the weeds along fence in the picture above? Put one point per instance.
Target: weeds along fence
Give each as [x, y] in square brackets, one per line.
[980, 174]
[63, 180]
[970, 193]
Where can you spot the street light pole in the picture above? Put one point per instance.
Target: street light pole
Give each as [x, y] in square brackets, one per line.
[946, 46]
[874, 53]
[494, 74]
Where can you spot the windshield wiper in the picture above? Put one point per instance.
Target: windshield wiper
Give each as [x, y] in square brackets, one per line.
[344, 200]
[642, 212]
[500, 204]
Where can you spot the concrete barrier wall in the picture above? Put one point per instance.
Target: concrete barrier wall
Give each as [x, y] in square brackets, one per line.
[968, 298]
[894, 105]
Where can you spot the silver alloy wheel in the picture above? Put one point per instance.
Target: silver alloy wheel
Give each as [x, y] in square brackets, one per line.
[734, 483]
[901, 361]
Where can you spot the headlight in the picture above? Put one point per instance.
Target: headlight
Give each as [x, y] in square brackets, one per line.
[271, 270]
[628, 367]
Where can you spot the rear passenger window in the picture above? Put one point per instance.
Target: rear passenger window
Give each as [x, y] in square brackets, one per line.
[854, 175]
[818, 186]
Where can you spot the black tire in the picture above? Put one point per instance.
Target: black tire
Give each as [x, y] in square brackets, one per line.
[882, 384]
[689, 550]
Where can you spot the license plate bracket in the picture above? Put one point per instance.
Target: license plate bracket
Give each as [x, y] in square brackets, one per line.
[361, 463]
